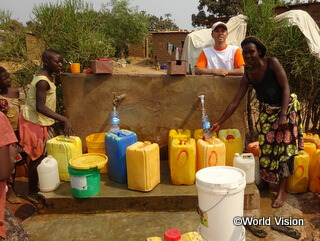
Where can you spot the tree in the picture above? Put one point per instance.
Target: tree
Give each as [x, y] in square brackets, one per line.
[124, 25]
[73, 28]
[12, 36]
[161, 23]
[209, 9]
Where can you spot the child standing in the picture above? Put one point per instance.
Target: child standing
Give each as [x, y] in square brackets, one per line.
[39, 114]
[7, 137]
[10, 106]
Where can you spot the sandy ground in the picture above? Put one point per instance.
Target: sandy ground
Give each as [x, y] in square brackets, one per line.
[136, 66]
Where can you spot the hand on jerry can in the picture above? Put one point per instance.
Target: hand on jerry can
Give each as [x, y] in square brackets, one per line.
[67, 130]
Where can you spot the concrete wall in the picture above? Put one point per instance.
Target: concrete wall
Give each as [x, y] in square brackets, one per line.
[154, 104]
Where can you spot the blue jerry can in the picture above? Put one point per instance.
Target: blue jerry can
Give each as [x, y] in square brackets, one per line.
[116, 145]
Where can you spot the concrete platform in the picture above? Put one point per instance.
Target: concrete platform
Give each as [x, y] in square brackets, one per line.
[117, 197]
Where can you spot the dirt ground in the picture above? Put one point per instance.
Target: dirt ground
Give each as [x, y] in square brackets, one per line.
[136, 66]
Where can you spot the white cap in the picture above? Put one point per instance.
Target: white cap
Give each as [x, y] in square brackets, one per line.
[219, 24]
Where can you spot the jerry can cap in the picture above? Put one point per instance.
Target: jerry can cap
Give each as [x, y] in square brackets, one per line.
[172, 235]
[230, 137]
[89, 160]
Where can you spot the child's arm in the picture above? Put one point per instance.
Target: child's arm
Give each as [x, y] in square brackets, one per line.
[5, 163]
[7, 137]
[42, 86]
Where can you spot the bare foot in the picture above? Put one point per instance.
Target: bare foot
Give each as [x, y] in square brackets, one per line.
[12, 197]
[281, 197]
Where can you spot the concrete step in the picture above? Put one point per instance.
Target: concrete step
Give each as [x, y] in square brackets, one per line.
[117, 197]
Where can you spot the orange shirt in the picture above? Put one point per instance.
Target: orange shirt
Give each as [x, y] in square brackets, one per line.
[237, 58]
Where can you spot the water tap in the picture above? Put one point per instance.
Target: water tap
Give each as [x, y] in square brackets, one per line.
[117, 99]
[201, 97]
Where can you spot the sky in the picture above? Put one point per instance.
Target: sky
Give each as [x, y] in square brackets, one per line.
[181, 10]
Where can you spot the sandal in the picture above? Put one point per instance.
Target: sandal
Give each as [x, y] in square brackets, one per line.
[291, 232]
[257, 231]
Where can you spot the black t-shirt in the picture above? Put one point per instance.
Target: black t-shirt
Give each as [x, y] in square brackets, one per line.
[268, 90]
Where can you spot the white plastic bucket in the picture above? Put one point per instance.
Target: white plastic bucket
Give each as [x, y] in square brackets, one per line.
[246, 163]
[48, 173]
[221, 197]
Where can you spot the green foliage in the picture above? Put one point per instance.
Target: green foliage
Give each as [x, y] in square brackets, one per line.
[73, 28]
[215, 9]
[12, 36]
[261, 22]
[288, 44]
[161, 23]
[123, 25]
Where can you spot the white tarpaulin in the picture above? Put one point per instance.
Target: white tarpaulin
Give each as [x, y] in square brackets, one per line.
[237, 28]
[307, 26]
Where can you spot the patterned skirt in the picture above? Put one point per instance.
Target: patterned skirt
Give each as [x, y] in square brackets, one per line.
[277, 148]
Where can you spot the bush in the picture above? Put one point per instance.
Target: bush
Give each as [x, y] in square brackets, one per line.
[288, 44]
[73, 28]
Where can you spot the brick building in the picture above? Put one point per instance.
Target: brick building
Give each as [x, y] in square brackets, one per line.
[312, 8]
[161, 41]
[140, 50]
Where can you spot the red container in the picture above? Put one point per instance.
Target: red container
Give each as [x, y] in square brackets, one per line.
[172, 235]
[254, 148]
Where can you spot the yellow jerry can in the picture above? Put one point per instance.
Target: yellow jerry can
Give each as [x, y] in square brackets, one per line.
[298, 182]
[62, 149]
[308, 137]
[310, 148]
[314, 180]
[198, 134]
[210, 152]
[143, 166]
[183, 162]
[233, 141]
[183, 135]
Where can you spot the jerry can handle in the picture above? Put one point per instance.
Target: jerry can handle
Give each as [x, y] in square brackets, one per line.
[247, 155]
[65, 139]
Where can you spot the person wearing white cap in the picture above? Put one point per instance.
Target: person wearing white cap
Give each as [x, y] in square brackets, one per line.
[221, 59]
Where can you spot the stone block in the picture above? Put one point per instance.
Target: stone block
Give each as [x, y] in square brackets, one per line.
[177, 67]
[251, 197]
[102, 66]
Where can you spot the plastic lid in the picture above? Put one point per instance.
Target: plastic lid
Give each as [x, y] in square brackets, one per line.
[230, 137]
[87, 161]
[172, 235]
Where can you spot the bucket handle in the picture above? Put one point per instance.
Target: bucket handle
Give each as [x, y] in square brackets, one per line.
[201, 211]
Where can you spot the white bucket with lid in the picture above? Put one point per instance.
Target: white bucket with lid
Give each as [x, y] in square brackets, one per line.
[221, 198]
[245, 162]
[48, 173]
